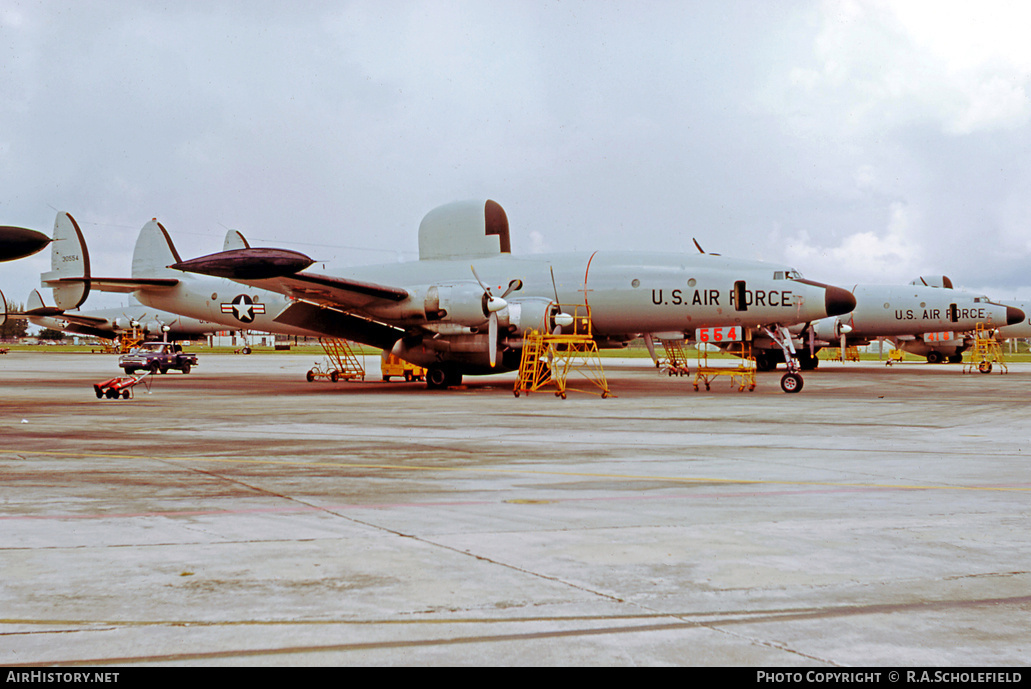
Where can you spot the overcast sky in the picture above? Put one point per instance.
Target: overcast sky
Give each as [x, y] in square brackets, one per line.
[858, 141]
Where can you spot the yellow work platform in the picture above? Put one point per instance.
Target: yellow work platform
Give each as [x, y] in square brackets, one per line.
[986, 352]
[742, 375]
[549, 359]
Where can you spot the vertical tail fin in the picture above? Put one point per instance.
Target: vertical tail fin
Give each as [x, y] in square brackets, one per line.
[69, 276]
[154, 252]
[235, 240]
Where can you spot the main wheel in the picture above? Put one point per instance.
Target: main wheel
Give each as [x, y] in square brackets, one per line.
[791, 382]
[934, 357]
[436, 378]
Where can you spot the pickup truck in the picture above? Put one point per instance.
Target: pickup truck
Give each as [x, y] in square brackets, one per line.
[157, 357]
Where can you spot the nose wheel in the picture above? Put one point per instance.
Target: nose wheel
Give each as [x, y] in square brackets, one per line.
[791, 382]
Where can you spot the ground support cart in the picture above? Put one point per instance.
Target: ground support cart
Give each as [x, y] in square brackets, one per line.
[113, 388]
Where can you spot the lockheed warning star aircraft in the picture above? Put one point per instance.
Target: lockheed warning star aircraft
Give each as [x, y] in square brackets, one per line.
[111, 323]
[919, 318]
[463, 307]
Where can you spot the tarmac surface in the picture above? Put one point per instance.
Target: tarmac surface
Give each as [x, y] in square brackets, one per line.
[240, 515]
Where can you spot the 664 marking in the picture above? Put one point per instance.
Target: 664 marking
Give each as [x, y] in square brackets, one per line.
[728, 334]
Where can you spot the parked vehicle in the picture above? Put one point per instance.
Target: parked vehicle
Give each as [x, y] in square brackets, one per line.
[157, 357]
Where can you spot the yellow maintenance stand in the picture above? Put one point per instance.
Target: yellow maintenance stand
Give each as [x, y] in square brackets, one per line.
[742, 375]
[834, 354]
[675, 363]
[341, 362]
[986, 352]
[549, 358]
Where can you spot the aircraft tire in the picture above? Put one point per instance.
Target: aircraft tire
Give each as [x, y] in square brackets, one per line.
[791, 382]
[436, 378]
[934, 357]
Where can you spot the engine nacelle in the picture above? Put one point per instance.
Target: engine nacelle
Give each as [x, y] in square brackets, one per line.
[830, 329]
[532, 313]
[461, 303]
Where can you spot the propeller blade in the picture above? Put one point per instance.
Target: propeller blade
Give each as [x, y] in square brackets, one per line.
[513, 286]
[650, 344]
[492, 338]
[475, 275]
[842, 347]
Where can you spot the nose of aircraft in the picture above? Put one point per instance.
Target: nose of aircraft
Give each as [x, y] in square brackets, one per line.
[1013, 315]
[838, 301]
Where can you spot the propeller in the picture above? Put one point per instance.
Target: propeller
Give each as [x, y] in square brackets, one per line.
[491, 306]
[845, 330]
[562, 320]
[649, 342]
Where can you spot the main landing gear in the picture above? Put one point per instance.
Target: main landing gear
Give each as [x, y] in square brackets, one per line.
[440, 378]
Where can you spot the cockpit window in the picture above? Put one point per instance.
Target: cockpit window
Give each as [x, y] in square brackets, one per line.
[787, 275]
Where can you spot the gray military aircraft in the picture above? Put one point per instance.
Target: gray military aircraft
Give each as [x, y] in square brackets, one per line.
[19, 242]
[155, 285]
[463, 307]
[920, 318]
[1016, 330]
[112, 322]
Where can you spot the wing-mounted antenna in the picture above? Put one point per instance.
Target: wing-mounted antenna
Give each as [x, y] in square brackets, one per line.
[69, 275]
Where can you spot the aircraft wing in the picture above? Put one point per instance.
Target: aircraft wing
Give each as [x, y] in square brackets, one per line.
[279, 270]
[124, 285]
[323, 301]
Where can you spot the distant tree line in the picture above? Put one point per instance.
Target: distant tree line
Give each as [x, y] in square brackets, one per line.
[14, 328]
